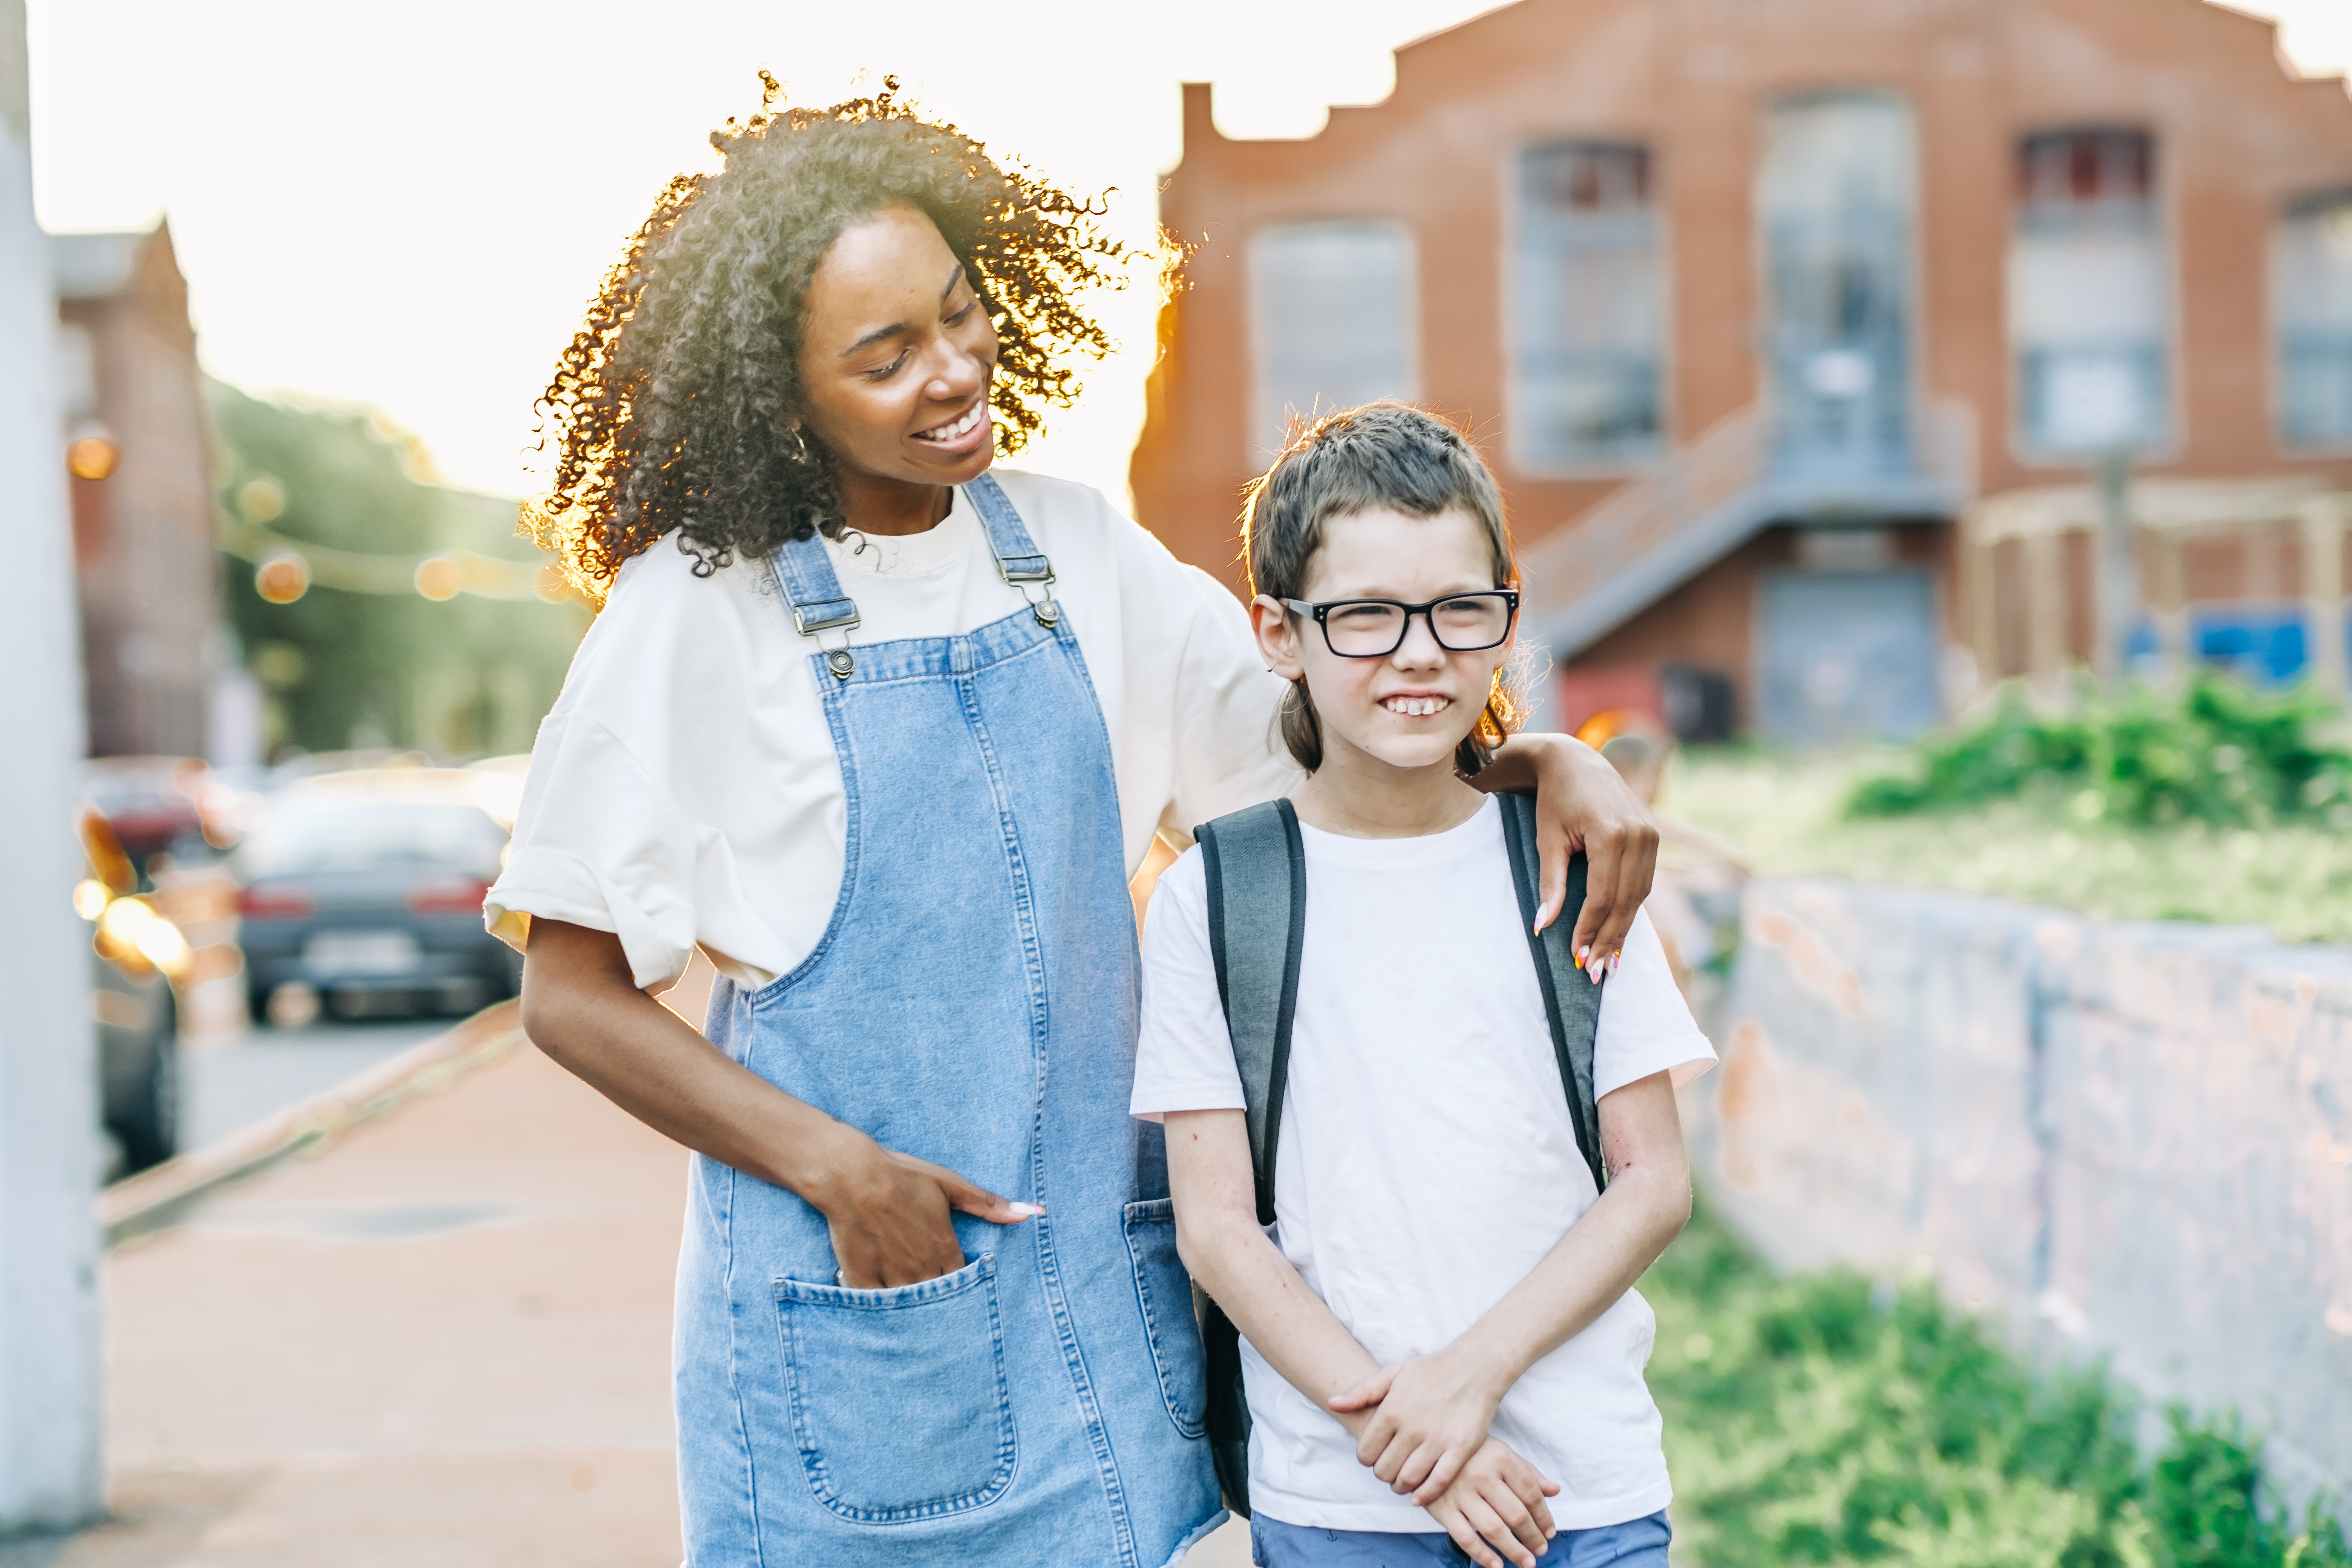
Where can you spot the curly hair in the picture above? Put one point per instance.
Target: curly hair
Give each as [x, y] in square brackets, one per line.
[672, 410]
[1374, 454]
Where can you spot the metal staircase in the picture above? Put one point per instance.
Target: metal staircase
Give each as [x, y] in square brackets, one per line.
[1594, 575]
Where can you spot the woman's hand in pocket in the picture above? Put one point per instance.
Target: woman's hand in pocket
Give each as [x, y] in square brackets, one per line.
[888, 1213]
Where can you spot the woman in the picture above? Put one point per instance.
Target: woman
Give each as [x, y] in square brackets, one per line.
[884, 733]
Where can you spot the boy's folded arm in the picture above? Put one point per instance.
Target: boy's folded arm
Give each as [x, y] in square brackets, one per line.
[1417, 1439]
[1495, 1509]
[1218, 1235]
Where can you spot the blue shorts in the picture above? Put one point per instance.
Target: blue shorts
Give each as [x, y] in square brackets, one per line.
[1636, 1543]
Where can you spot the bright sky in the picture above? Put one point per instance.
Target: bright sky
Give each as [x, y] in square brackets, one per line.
[407, 206]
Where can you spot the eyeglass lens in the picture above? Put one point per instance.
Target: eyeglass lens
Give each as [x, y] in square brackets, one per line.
[1369, 628]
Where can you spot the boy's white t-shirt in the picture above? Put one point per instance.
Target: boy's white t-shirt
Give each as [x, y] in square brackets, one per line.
[1426, 1161]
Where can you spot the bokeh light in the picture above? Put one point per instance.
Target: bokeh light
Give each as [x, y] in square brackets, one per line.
[282, 579]
[92, 458]
[438, 577]
[261, 500]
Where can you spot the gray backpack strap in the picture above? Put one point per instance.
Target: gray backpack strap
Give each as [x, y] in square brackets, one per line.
[1258, 922]
[1570, 999]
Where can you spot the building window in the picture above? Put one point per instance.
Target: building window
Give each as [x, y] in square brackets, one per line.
[1585, 314]
[2089, 301]
[2311, 283]
[1837, 199]
[1332, 323]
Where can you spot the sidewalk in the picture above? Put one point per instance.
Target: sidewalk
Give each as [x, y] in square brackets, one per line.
[439, 1337]
[442, 1338]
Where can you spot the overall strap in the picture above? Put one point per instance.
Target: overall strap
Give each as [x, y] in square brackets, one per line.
[1256, 867]
[805, 574]
[1019, 562]
[1572, 1002]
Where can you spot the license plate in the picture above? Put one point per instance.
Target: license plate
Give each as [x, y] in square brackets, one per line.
[360, 951]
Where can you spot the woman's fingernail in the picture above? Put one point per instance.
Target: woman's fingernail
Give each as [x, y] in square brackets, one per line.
[1027, 1211]
[1581, 954]
[1614, 960]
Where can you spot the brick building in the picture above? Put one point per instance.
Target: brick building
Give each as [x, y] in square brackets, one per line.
[1802, 331]
[143, 507]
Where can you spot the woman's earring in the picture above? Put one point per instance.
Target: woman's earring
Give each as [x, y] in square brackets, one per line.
[800, 446]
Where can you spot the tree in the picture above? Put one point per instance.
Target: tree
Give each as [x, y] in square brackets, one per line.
[364, 658]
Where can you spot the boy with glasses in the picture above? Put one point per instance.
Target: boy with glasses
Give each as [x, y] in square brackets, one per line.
[1441, 1346]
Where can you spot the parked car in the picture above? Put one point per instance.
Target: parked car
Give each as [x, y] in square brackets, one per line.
[160, 805]
[136, 955]
[362, 896]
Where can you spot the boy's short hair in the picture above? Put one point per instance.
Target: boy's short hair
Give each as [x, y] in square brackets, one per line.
[1374, 454]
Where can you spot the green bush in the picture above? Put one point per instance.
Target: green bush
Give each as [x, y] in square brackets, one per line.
[2212, 751]
[1826, 1419]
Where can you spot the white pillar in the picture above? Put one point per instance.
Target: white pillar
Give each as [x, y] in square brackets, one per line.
[2115, 570]
[50, 1473]
[2323, 519]
[2045, 609]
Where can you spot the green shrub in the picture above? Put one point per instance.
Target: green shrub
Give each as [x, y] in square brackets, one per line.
[1826, 1419]
[2212, 751]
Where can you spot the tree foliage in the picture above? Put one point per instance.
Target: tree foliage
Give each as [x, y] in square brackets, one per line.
[2211, 751]
[343, 669]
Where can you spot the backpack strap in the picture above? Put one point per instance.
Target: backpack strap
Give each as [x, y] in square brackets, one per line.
[1571, 1001]
[1257, 923]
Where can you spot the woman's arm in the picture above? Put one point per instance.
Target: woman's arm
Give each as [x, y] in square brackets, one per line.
[1433, 1411]
[888, 1211]
[1581, 803]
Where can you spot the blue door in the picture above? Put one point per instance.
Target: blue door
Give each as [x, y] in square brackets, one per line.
[1848, 655]
[1836, 197]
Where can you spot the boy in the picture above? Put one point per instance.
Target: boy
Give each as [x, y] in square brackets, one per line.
[1442, 1340]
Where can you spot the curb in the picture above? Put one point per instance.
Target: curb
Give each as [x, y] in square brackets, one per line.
[157, 1199]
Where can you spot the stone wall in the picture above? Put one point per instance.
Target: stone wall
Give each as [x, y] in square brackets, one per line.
[2130, 1140]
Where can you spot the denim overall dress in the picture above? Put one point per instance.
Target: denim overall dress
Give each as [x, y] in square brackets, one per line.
[973, 1003]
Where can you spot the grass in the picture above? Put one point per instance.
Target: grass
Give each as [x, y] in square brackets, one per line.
[2050, 846]
[1829, 1419]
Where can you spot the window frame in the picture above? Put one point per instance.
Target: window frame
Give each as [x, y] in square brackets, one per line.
[1262, 418]
[1918, 336]
[2274, 323]
[1511, 195]
[2161, 207]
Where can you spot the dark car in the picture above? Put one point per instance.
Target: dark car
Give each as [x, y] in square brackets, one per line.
[362, 896]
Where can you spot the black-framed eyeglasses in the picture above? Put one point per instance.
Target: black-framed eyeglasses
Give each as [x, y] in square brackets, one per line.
[1375, 629]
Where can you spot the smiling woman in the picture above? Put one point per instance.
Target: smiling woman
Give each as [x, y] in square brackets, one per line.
[670, 410]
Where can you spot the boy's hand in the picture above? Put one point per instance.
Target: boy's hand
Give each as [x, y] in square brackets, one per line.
[1433, 1414]
[1496, 1506]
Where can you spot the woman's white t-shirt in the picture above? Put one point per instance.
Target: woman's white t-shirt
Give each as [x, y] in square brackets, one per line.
[684, 790]
[1426, 1161]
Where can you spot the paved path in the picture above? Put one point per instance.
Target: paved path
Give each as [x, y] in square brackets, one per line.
[443, 1339]
[229, 1081]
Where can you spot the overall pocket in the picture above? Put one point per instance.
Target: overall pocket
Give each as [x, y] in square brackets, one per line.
[1165, 1292]
[899, 1405]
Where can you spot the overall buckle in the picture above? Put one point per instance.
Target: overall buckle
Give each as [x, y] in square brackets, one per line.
[840, 617]
[1027, 572]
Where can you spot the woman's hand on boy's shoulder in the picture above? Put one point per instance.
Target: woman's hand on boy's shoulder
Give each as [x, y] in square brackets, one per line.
[1429, 1416]
[1494, 1510]
[1581, 803]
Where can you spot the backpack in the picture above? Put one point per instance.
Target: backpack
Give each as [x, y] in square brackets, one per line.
[1257, 869]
